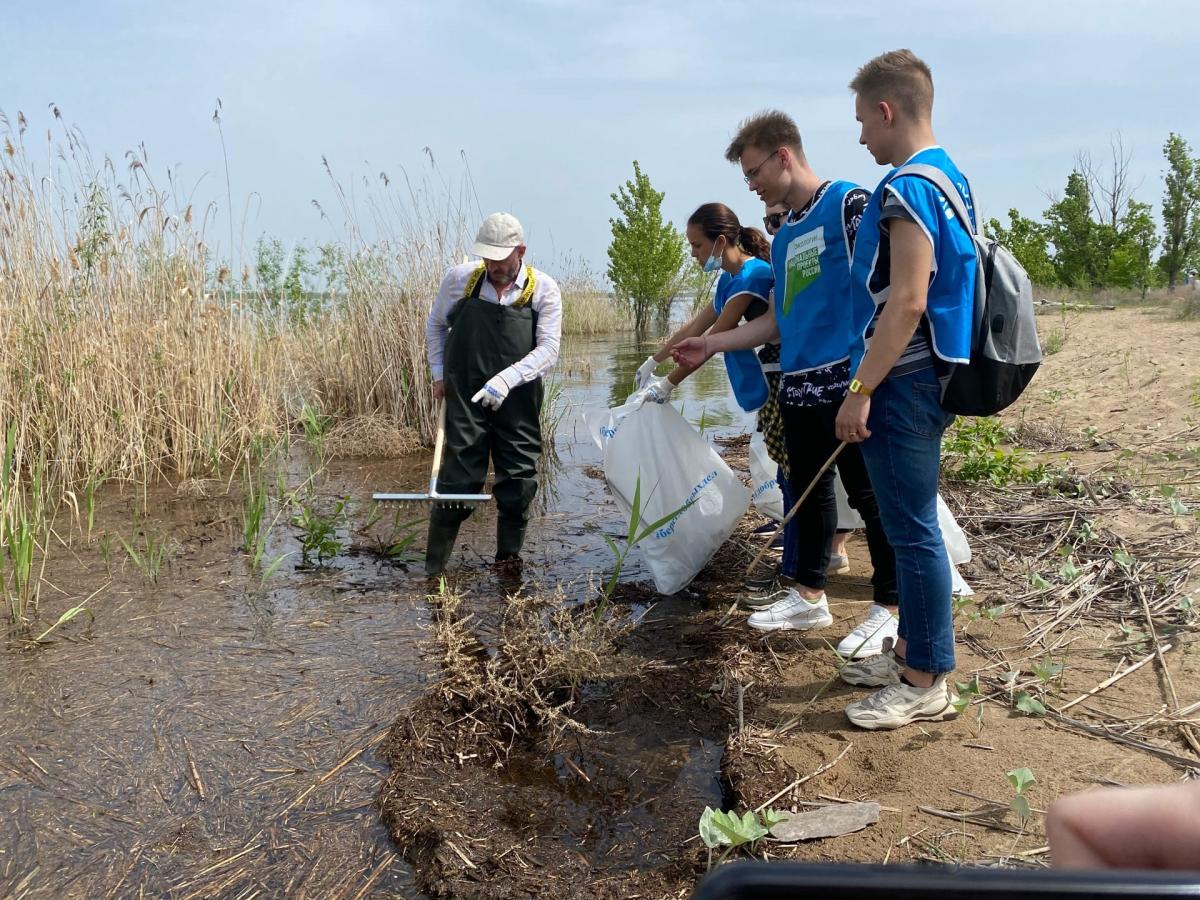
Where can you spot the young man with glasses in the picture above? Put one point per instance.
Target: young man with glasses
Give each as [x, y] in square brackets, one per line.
[811, 319]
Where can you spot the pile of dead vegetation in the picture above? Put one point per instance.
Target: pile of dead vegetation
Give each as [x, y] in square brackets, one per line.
[463, 791]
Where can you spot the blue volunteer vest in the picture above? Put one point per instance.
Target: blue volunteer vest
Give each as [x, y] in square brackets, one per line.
[811, 260]
[950, 302]
[745, 371]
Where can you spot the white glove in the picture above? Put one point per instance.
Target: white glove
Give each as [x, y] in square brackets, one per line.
[658, 390]
[492, 394]
[644, 373]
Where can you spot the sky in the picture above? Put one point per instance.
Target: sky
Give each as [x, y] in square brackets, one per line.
[539, 107]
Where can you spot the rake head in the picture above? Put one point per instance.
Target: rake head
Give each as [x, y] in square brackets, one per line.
[432, 500]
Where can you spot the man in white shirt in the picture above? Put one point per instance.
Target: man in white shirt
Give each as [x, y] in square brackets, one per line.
[492, 333]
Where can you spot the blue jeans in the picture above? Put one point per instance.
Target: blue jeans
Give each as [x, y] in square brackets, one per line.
[903, 458]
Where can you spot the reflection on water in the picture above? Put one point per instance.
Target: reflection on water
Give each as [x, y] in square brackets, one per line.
[599, 372]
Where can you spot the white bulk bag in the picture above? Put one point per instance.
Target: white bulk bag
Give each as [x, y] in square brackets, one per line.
[654, 444]
[765, 493]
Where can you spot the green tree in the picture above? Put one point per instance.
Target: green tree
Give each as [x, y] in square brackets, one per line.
[293, 282]
[268, 265]
[647, 256]
[1181, 208]
[1029, 243]
[1131, 264]
[1079, 242]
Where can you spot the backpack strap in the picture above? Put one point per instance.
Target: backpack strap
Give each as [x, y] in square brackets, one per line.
[943, 183]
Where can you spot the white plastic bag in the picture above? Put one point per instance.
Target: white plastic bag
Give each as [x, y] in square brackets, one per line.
[952, 534]
[765, 493]
[957, 548]
[654, 446]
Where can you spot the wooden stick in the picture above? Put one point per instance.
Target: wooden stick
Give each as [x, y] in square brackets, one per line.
[1160, 752]
[795, 507]
[1109, 682]
[799, 781]
[1185, 730]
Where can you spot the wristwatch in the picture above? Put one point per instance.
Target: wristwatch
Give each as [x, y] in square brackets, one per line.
[857, 387]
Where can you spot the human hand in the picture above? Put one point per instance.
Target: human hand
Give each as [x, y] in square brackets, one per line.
[439, 390]
[644, 373]
[691, 352]
[492, 394]
[1126, 828]
[851, 425]
[659, 390]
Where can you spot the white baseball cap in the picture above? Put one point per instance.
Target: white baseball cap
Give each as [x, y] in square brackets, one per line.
[498, 236]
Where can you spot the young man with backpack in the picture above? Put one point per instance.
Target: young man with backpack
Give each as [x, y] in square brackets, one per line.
[913, 272]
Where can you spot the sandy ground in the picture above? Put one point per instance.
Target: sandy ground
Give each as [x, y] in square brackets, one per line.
[1118, 400]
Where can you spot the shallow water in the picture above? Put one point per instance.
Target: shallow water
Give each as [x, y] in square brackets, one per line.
[210, 735]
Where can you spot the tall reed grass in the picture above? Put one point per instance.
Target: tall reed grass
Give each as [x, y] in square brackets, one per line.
[130, 353]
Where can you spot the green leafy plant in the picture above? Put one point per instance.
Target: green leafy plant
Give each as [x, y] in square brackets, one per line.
[1028, 704]
[72, 613]
[319, 540]
[1047, 670]
[150, 554]
[1176, 505]
[727, 829]
[974, 452]
[633, 537]
[1021, 780]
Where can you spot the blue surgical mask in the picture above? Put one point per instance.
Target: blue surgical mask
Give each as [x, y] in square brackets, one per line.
[713, 262]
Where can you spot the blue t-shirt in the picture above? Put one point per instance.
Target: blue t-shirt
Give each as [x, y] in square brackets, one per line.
[951, 299]
[745, 371]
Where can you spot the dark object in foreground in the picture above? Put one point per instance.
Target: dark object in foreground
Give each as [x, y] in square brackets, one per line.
[765, 881]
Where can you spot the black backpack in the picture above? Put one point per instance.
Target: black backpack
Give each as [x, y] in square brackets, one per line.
[1005, 352]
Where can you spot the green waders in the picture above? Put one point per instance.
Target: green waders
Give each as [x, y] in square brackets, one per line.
[486, 338]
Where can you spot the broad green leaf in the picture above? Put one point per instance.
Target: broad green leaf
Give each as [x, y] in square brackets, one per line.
[1021, 778]
[738, 830]
[1029, 705]
[1178, 507]
[772, 817]
[711, 835]
[1122, 559]
[1038, 581]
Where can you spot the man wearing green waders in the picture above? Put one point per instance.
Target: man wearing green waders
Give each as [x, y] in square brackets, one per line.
[492, 334]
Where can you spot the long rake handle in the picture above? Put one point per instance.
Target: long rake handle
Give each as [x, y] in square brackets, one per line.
[796, 506]
[439, 444]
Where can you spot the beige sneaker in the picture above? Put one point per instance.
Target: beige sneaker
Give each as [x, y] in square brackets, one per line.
[872, 671]
[902, 704]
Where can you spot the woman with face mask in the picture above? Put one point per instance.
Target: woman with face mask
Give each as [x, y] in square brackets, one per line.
[719, 243]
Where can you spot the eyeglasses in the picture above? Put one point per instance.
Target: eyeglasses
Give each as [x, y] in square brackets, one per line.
[750, 174]
[773, 221]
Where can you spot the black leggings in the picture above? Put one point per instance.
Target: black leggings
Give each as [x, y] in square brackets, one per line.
[810, 437]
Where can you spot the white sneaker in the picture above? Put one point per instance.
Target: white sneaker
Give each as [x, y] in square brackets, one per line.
[839, 564]
[902, 704]
[867, 638]
[872, 671]
[792, 612]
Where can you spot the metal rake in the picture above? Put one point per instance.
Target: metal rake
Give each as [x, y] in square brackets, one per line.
[433, 498]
